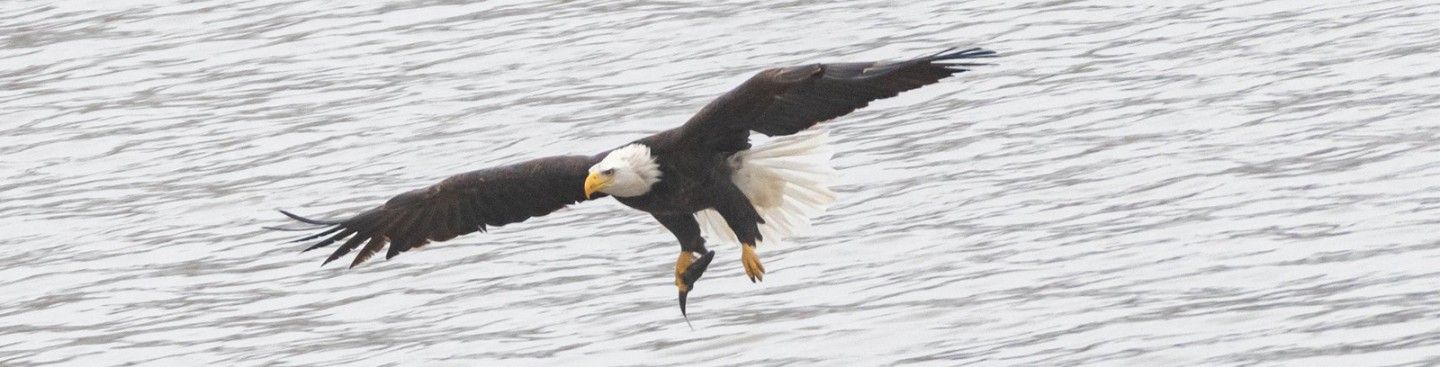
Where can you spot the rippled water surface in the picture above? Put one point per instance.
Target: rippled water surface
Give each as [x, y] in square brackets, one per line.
[1214, 183]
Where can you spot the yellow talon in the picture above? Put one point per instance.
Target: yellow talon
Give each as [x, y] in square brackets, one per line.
[681, 264]
[753, 268]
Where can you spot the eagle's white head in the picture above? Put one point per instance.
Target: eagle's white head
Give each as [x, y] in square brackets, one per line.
[625, 172]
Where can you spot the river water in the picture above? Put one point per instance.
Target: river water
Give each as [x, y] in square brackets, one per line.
[1196, 183]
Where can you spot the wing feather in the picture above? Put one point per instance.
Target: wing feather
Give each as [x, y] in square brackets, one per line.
[783, 101]
[345, 248]
[338, 236]
[458, 205]
[376, 242]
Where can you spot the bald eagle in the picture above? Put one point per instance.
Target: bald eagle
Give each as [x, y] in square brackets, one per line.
[701, 177]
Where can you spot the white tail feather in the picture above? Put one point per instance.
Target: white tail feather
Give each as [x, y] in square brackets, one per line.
[788, 180]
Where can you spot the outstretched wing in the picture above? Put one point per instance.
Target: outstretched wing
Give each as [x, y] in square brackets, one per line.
[783, 101]
[461, 204]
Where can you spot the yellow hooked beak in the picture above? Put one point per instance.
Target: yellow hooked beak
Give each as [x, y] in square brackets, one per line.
[594, 183]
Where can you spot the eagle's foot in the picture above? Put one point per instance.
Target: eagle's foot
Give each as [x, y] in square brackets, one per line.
[688, 269]
[753, 268]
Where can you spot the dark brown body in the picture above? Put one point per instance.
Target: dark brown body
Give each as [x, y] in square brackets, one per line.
[694, 177]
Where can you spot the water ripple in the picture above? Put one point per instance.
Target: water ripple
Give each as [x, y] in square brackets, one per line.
[1217, 183]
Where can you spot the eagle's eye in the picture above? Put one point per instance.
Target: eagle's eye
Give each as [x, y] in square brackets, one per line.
[608, 172]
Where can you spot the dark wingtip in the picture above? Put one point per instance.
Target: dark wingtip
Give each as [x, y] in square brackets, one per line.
[308, 220]
[286, 229]
[315, 246]
[942, 52]
[342, 250]
[969, 53]
[318, 235]
[362, 257]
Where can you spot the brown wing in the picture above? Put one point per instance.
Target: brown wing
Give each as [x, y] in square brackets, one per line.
[461, 204]
[783, 101]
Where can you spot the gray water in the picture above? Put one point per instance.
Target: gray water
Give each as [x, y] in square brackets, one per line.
[1216, 183]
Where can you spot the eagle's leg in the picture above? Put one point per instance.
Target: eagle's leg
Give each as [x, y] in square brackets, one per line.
[688, 267]
[745, 222]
